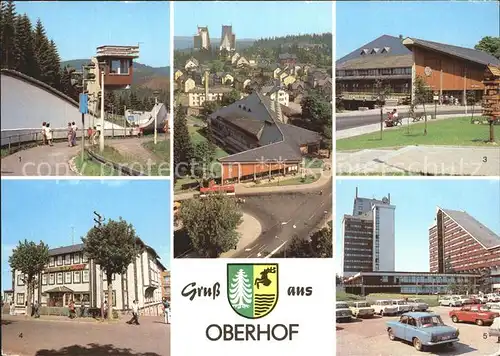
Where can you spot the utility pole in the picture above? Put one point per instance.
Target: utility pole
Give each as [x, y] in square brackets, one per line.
[98, 224]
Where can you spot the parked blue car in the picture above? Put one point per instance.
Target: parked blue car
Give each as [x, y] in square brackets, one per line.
[422, 329]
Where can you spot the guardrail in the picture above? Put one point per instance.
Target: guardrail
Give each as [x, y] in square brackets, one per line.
[117, 166]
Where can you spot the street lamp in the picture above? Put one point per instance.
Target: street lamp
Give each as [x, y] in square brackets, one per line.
[155, 93]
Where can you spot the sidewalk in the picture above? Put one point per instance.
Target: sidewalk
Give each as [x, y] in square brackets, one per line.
[429, 107]
[361, 130]
[249, 230]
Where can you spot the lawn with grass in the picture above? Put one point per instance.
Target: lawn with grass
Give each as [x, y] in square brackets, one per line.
[313, 162]
[90, 167]
[448, 132]
[290, 181]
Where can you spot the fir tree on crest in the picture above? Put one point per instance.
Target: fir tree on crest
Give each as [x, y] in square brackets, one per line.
[240, 292]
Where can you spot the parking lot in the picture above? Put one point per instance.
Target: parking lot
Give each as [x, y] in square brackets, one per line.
[369, 337]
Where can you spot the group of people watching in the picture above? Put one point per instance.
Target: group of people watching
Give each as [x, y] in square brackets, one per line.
[46, 133]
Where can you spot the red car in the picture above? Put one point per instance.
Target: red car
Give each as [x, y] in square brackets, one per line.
[479, 314]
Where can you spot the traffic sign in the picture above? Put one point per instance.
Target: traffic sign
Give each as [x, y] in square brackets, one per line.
[84, 103]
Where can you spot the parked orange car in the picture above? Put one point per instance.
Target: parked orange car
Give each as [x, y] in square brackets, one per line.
[478, 314]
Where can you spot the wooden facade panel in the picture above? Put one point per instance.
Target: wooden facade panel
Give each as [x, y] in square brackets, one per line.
[453, 71]
[232, 171]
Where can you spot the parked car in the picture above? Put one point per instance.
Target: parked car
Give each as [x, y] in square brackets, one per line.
[493, 297]
[450, 301]
[343, 313]
[362, 310]
[422, 329]
[417, 304]
[384, 307]
[402, 305]
[464, 299]
[479, 314]
[494, 307]
[483, 298]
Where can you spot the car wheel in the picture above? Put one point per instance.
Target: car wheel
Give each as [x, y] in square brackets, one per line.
[454, 319]
[391, 335]
[417, 344]
[479, 322]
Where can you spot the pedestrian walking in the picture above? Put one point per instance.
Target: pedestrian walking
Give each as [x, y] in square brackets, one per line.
[105, 308]
[166, 310]
[72, 312]
[135, 313]
[12, 310]
[70, 134]
[75, 129]
[48, 133]
[36, 308]
[44, 133]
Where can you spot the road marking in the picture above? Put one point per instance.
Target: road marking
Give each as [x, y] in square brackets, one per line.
[312, 216]
[276, 249]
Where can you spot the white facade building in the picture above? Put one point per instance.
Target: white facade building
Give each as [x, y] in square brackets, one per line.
[69, 275]
[384, 252]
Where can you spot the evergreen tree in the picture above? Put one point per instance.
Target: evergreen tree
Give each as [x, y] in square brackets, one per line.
[55, 66]
[134, 103]
[42, 53]
[183, 148]
[23, 49]
[8, 34]
[66, 86]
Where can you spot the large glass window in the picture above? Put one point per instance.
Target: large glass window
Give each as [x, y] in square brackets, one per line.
[120, 66]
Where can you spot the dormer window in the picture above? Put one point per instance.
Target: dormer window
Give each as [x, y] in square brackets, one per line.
[375, 50]
[364, 51]
[386, 50]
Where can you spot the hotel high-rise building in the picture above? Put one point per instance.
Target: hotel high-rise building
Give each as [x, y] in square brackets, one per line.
[460, 243]
[368, 237]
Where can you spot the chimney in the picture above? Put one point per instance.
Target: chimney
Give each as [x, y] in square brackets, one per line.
[206, 85]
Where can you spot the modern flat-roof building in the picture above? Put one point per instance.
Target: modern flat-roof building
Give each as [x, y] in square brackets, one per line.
[262, 141]
[70, 275]
[364, 283]
[460, 243]
[448, 70]
[368, 237]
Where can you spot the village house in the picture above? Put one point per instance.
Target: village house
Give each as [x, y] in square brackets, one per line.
[287, 59]
[241, 62]
[275, 92]
[177, 74]
[71, 275]
[189, 85]
[235, 57]
[191, 64]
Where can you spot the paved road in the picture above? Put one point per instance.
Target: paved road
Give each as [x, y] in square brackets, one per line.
[56, 338]
[283, 216]
[348, 122]
[353, 339]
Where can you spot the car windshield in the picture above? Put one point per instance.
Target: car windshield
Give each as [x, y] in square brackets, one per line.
[428, 321]
[342, 306]
[363, 305]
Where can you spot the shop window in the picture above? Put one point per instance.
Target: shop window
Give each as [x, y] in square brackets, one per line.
[77, 277]
[52, 278]
[20, 298]
[60, 278]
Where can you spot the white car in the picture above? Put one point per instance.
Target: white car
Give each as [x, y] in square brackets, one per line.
[402, 305]
[418, 304]
[494, 306]
[384, 307]
[450, 301]
[493, 297]
[481, 298]
[463, 299]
